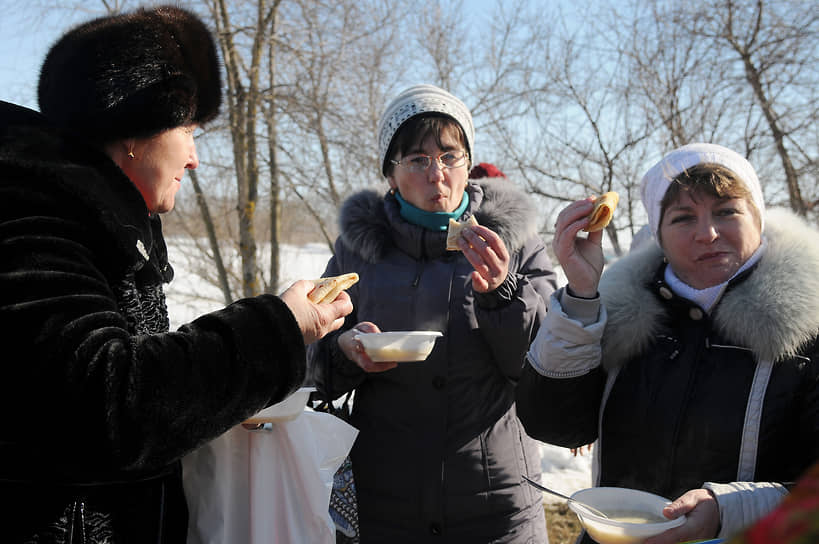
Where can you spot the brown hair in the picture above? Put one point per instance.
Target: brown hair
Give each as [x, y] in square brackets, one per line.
[707, 179]
[414, 131]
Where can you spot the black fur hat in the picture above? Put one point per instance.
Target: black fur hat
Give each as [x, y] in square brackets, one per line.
[132, 75]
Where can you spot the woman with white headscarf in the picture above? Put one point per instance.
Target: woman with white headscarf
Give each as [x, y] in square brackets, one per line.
[692, 361]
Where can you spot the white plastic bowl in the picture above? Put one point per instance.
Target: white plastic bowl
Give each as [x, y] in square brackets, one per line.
[399, 346]
[624, 507]
[288, 409]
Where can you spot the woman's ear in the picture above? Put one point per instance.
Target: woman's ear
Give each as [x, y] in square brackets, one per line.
[120, 151]
[392, 182]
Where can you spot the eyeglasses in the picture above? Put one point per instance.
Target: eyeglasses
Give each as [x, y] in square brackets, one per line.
[421, 163]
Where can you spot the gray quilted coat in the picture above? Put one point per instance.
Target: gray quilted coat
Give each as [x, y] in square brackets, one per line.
[440, 452]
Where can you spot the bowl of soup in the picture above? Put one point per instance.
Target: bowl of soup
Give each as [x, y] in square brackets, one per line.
[398, 346]
[632, 515]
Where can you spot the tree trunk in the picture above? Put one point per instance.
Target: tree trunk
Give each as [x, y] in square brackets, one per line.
[753, 75]
[791, 178]
[275, 184]
[243, 108]
[213, 240]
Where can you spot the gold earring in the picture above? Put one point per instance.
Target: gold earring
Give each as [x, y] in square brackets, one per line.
[130, 154]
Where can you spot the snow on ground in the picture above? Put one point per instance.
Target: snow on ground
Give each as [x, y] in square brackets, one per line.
[563, 471]
[189, 297]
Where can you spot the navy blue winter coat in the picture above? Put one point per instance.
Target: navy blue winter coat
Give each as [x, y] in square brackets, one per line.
[440, 452]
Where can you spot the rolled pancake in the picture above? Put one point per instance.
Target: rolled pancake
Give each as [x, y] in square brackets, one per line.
[327, 289]
[454, 231]
[603, 211]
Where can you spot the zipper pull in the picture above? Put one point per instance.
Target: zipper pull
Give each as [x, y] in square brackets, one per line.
[417, 279]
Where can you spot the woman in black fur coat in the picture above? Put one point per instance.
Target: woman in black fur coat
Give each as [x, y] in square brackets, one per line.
[98, 401]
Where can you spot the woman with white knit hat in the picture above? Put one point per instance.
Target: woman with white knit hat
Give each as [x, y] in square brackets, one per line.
[440, 452]
[693, 362]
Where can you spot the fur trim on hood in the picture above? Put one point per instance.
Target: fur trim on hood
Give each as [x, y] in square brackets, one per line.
[366, 218]
[774, 311]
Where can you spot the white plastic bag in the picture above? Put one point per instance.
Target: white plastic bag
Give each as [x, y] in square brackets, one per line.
[267, 486]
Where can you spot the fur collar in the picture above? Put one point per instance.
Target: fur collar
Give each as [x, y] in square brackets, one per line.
[42, 163]
[774, 310]
[370, 223]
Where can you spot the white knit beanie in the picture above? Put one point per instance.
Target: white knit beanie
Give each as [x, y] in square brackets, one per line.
[657, 180]
[414, 101]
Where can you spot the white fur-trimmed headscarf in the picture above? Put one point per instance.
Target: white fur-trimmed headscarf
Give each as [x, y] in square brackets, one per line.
[657, 180]
[414, 101]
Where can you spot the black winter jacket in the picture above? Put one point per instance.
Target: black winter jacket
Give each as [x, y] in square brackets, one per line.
[440, 450]
[98, 401]
[687, 389]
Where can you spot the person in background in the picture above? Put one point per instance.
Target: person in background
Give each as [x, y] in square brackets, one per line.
[98, 401]
[485, 170]
[694, 361]
[440, 451]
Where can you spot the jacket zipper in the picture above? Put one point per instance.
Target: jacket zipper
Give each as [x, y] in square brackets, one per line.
[418, 270]
[705, 345]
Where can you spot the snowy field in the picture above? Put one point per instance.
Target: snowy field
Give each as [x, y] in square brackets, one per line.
[189, 296]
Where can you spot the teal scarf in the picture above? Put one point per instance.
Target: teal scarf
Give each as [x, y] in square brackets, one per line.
[430, 220]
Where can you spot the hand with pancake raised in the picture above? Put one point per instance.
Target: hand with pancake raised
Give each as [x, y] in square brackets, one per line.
[487, 253]
[315, 320]
[581, 257]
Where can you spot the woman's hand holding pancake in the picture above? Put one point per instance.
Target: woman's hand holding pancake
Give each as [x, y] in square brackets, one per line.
[315, 320]
[354, 350]
[581, 257]
[487, 253]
